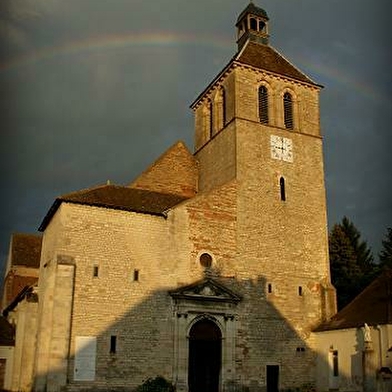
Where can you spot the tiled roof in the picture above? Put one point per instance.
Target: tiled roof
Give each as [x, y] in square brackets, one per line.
[7, 333]
[26, 250]
[14, 284]
[372, 306]
[118, 197]
[267, 58]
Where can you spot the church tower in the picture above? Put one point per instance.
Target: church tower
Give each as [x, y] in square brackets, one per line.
[257, 125]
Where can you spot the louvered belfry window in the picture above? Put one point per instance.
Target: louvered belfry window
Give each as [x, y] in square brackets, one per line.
[288, 111]
[263, 104]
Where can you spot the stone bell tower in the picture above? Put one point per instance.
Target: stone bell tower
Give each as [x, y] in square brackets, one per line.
[257, 125]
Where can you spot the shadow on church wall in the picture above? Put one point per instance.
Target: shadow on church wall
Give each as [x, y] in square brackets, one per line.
[148, 340]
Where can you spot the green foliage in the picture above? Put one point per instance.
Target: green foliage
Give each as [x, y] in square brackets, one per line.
[158, 384]
[363, 253]
[386, 253]
[352, 265]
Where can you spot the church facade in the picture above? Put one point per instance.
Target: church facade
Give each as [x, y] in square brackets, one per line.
[210, 269]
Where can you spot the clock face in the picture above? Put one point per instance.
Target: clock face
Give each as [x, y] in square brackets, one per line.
[281, 148]
[287, 150]
[276, 147]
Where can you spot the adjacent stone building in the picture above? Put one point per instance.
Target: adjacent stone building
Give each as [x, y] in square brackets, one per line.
[355, 347]
[210, 269]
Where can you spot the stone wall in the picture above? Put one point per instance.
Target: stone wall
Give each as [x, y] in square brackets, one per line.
[24, 317]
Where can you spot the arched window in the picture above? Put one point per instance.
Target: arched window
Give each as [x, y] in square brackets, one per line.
[282, 189]
[253, 24]
[263, 104]
[261, 25]
[288, 111]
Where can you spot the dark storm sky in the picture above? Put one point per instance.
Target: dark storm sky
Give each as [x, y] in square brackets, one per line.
[97, 89]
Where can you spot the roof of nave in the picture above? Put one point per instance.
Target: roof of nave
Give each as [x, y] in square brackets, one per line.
[26, 250]
[7, 333]
[174, 172]
[372, 306]
[119, 198]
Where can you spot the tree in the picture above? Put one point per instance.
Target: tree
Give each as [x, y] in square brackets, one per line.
[386, 253]
[351, 261]
[363, 253]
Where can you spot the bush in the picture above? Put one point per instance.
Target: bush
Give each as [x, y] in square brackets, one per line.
[158, 384]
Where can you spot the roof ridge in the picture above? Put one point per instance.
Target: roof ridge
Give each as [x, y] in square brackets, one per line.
[15, 233]
[86, 190]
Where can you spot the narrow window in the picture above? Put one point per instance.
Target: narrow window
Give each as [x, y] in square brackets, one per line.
[223, 107]
[263, 104]
[282, 189]
[206, 120]
[300, 290]
[335, 364]
[211, 120]
[269, 288]
[113, 344]
[288, 111]
[136, 275]
[95, 271]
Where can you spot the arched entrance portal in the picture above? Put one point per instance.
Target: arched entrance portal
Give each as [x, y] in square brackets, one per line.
[205, 353]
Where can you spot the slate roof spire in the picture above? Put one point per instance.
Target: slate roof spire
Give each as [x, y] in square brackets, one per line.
[252, 24]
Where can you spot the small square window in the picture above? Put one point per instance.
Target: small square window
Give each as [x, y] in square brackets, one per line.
[95, 271]
[136, 275]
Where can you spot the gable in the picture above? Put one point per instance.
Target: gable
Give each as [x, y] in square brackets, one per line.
[174, 172]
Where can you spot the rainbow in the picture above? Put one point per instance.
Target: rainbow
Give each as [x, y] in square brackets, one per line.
[338, 76]
[169, 39]
[116, 41]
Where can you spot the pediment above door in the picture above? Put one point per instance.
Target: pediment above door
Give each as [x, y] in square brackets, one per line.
[206, 290]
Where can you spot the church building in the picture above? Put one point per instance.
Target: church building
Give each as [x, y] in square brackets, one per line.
[209, 269]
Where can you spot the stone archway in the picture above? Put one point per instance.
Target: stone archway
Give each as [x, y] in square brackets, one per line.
[205, 356]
